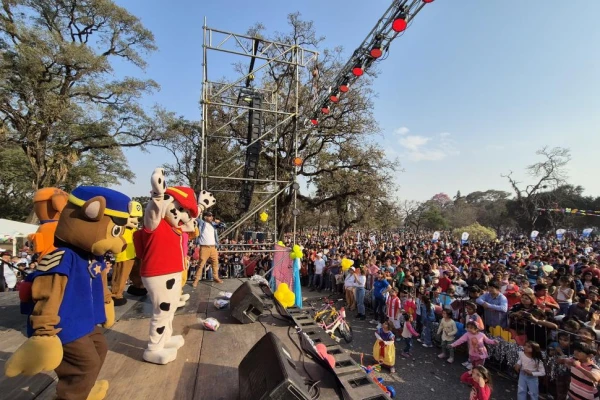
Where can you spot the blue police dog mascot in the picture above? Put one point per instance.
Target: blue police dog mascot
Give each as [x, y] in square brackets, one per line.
[69, 297]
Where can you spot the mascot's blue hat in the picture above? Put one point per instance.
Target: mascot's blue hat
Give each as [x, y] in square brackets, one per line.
[117, 204]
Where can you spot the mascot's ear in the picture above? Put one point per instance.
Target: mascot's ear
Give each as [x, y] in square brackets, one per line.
[94, 208]
[59, 201]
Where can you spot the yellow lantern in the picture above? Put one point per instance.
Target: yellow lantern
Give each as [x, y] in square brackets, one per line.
[264, 217]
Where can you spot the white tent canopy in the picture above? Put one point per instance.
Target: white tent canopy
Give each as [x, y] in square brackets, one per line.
[11, 230]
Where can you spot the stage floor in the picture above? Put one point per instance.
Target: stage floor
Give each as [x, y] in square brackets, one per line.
[205, 369]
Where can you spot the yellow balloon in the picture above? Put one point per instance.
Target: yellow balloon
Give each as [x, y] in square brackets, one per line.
[346, 264]
[296, 252]
[264, 217]
[285, 296]
[280, 243]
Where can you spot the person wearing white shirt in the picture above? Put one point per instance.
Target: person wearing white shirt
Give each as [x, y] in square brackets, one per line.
[9, 276]
[349, 285]
[318, 276]
[359, 292]
[208, 241]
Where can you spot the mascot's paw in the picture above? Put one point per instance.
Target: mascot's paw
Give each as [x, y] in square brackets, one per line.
[184, 297]
[119, 302]
[134, 291]
[159, 185]
[176, 342]
[109, 310]
[99, 390]
[37, 354]
[206, 200]
[160, 357]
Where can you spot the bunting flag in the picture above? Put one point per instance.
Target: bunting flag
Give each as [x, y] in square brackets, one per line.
[571, 211]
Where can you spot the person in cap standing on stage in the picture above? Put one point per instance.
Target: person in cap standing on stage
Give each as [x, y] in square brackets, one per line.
[208, 241]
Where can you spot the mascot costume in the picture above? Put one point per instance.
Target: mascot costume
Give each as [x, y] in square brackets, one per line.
[47, 205]
[125, 260]
[189, 232]
[67, 296]
[160, 247]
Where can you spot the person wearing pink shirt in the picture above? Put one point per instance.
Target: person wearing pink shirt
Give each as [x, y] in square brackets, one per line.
[476, 341]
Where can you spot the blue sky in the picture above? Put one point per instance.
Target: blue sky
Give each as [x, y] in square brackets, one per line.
[470, 92]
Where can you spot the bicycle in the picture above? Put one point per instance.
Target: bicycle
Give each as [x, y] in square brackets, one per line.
[338, 322]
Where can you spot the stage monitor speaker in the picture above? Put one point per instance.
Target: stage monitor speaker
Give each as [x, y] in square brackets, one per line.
[268, 372]
[246, 303]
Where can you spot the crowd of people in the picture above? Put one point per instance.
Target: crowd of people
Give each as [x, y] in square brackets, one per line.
[542, 296]
[522, 305]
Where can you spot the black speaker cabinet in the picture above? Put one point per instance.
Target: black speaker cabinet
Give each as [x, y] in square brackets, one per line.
[268, 372]
[246, 304]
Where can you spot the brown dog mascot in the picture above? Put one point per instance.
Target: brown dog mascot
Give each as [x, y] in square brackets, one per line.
[68, 296]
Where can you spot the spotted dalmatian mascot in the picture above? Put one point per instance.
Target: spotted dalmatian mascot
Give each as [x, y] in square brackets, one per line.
[159, 245]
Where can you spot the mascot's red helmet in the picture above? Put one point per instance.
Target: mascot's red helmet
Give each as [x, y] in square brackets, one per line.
[186, 197]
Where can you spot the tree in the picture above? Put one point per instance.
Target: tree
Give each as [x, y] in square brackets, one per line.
[549, 173]
[15, 184]
[358, 194]
[59, 101]
[441, 200]
[433, 219]
[477, 233]
[412, 213]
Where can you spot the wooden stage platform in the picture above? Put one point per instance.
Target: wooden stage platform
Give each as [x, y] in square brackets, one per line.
[205, 369]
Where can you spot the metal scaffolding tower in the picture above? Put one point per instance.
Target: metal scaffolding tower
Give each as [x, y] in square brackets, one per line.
[238, 99]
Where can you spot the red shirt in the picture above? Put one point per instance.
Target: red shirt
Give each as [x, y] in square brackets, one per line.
[543, 300]
[444, 283]
[477, 392]
[160, 251]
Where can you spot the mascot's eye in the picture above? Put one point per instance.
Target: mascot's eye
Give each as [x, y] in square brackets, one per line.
[180, 209]
[117, 230]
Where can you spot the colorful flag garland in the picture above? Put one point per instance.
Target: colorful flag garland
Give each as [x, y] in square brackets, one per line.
[571, 211]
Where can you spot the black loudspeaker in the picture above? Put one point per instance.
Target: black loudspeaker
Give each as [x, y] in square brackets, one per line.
[268, 372]
[246, 303]
[260, 236]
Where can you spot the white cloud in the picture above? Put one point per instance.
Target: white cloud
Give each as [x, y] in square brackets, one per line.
[425, 148]
[402, 131]
[413, 143]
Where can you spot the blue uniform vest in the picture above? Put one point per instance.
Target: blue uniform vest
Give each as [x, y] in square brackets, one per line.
[83, 302]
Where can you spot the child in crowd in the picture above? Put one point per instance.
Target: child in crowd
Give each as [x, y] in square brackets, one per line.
[585, 374]
[477, 350]
[384, 350]
[530, 367]
[407, 303]
[393, 310]
[473, 316]
[481, 383]
[562, 347]
[427, 317]
[408, 332]
[448, 331]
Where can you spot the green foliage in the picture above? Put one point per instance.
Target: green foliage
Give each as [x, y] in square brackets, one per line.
[16, 189]
[477, 233]
[433, 219]
[59, 100]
